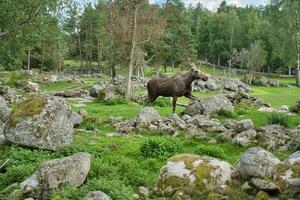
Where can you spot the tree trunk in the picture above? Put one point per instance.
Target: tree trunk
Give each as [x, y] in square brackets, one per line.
[111, 35]
[298, 72]
[290, 71]
[28, 60]
[173, 65]
[80, 50]
[43, 55]
[132, 51]
[99, 54]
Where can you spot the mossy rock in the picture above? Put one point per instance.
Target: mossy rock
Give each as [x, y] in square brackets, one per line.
[27, 108]
[192, 175]
[261, 195]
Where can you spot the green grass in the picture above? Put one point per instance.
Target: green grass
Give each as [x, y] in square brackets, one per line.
[277, 96]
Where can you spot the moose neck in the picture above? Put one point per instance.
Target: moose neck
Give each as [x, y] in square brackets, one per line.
[188, 78]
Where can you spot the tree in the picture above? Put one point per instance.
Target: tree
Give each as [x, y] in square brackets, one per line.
[252, 59]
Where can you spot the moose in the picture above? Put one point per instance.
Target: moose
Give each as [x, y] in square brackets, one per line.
[177, 86]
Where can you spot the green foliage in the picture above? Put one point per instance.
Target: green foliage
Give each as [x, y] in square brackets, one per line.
[213, 151]
[163, 102]
[160, 147]
[226, 113]
[114, 101]
[279, 118]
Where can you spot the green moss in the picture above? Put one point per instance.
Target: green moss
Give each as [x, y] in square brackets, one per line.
[27, 108]
[188, 159]
[261, 195]
[202, 172]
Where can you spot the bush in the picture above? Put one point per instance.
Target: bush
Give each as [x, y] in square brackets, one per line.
[279, 118]
[213, 151]
[163, 102]
[112, 102]
[160, 147]
[225, 113]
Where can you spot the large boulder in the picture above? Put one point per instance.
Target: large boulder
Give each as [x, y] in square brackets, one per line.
[147, 116]
[273, 137]
[209, 106]
[9, 94]
[192, 175]
[41, 122]
[55, 173]
[273, 83]
[257, 163]
[4, 110]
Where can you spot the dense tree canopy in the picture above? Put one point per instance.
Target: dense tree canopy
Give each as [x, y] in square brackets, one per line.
[169, 34]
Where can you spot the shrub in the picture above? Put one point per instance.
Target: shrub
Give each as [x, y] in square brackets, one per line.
[279, 118]
[162, 102]
[112, 102]
[213, 151]
[225, 113]
[160, 147]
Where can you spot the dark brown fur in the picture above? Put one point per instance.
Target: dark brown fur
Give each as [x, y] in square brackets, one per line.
[176, 86]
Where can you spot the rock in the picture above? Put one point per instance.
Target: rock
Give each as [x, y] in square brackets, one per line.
[230, 124]
[215, 103]
[178, 121]
[143, 192]
[4, 110]
[192, 175]
[97, 195]
[54, 173]
[31, 87]
[273, 136]
[28, 72]
[9, 94]
[297, 106]
[263, 81]
[231, 85]
[147, 116]
[193, 132]
[51, 79]
[194, 108]
[264, 185]
[245, 138]
[83, 113]
[211, 85]
[76, 119]
[41, 122]
[257, 163]
[288, 175]
[95, 90]
[166, 129]
[273, 83]
[244, 125]
[203, 122]
[72, 93]
[284, 108]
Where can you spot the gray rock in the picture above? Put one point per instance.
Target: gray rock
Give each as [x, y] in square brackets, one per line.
[264, 185]
[257, 163]
[54, 173]
[245, 138]
[244, 125]
[273, 136]
[230, 124]
[4, 110]
[73, 93]
[147, 116]
[211, 85]
[97, 195]
[215, 103]
[143, 192]
[273, 83]
[41, 122]
[31, 87]
[76, 119]
[95, 90]
[182, 171]
[83, 113]
[202, 121]
[231, 85]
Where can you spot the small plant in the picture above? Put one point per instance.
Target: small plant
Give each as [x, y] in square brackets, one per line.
[160, 147]
[112, 102]
[163, 102]
[279, 118]
[213, 151]
[225, 113]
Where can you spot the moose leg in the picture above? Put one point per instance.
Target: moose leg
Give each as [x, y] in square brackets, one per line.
[190, 96]
[174, 103]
